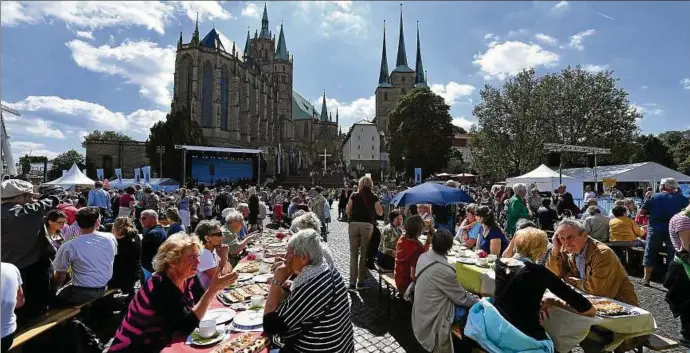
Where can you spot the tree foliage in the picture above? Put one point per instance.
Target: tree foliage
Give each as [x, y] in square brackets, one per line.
[177, 129]
[572, 107]
[678, 143]
[649, 148]
[26, 160]
[105, 135]
[64, 161]
[420, 132]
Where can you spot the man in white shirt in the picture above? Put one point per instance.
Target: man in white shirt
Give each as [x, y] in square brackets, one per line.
[91, 256]
[11, 297]
[589, 194]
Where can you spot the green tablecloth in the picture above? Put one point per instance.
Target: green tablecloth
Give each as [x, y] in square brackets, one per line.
[473, 278]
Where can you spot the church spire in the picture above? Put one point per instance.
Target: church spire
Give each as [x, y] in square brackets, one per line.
[402, 55]
[247, 44]
[337, 117]
[324, 110]
[383, 73]
[281, 50]
[195, 36]
[179, 42]
[265, 32]
[330, 117]
[420, 75]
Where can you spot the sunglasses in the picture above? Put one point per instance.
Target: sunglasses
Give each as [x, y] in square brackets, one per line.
[217, 234]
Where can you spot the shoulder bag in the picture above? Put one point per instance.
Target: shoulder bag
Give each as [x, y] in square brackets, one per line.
[409, 292]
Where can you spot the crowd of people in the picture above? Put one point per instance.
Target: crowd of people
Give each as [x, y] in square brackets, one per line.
[171, 253]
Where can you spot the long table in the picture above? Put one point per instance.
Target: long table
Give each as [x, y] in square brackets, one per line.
[567, 329]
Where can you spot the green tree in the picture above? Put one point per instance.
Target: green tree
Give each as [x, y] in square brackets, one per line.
[105, 135]
[572, 106]
[649, 148]
[420, 132]
[64, 161]
[177, 129]
[26, 160]
[678, 143]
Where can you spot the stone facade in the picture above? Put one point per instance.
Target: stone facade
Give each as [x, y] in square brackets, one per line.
[108, 155]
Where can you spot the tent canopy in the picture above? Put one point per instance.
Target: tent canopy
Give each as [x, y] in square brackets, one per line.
[546, 179]
[431, 193]
[632, 173]
[73, 177]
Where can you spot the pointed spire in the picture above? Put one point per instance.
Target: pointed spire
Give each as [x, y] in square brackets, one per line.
[330, 117]
[247, 44]
[324, 110]
[281, 51]
[179, 42]
[420, 74]
[402, 55]
[195, 36]
[383, 73]
[256, 33]
[233, 49]
[336, 117]
[265, 32]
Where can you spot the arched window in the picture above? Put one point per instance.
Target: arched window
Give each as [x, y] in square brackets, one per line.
[224, 100]
[207, 96]
[385, 96]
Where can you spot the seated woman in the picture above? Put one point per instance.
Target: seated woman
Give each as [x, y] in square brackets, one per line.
[127, 264]
[316, 314]
[214, 254]
[54, 221]
[437, 297]
[521, 283]
[309, 220]
[389, 238]
[407, 251]
[623, 230]
[492, 240]
[234, 223]
[470, 228]
[171, 300]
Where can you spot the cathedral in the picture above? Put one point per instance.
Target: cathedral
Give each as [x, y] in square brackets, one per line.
[245, 99]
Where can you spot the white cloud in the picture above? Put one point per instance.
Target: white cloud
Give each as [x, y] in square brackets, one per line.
[490, 36]
[32, 126]
[645, 86]
[560, 7]
[251, 10]
[90, 14]
[141, 63]
[650, 109]
[595, 68]
[577, 39]
[518, 33]
[452, 91]
[685, 82]
[605, 16]
[85, 34]
[22, 148]
[336, 17]
[546, 39]
[350, 113]
[80, 113]
[509, 58]
[207, 10]
[464, 123]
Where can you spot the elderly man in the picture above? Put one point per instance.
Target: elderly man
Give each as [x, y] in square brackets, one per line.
[660, 208]
[91, 257]
[517, 208]
[588, 264]
[23, 241]
[154, 235]
[315, 317]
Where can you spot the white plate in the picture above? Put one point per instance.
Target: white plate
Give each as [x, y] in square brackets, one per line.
[276, 245]
[221, 336]
[250, 318]
[254, 249]
[220, 315]
[244, 277]
[466, 260]
[269, 260]
[262, 278]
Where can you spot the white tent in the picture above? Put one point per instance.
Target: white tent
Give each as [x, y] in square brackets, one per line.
[73, 177]
[547, 179]
[649, 172]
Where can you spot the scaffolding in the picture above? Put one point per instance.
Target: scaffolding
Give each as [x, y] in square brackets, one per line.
[8, 166]
[560, 148]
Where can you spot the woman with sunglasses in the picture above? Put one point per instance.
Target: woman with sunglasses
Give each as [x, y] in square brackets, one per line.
[214, 253]
[54, 221]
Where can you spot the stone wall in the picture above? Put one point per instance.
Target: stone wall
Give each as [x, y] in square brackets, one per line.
[123, 154]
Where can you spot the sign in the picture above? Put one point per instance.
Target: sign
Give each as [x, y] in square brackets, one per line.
[685, 189]
[609, 183]
[118, 173]
[99, 174]
[137, 173]
[147, 174]
[418, 176]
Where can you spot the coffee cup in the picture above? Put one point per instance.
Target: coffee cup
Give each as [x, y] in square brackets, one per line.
[257, 300]
[492, 258]
[482, 261]
[207, 328]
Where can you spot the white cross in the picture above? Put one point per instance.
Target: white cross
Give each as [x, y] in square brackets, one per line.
[324, 155]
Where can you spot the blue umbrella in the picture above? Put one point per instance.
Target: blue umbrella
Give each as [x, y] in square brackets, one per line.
[431, 193]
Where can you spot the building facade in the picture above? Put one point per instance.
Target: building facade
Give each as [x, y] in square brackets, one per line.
[362, 147]
[246, 98]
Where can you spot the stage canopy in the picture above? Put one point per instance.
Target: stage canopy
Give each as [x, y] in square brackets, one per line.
[649, 172]
[73, 177]
[548, 180]
[219, 149]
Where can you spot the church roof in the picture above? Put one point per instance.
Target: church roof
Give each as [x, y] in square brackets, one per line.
[401, 60]
[212, 40]
[302, 109]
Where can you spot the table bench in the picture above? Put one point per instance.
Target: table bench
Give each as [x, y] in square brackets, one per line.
[392, 290]
[659, 343]
[51, 319]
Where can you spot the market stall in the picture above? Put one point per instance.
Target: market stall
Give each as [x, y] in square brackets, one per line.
[73, 177]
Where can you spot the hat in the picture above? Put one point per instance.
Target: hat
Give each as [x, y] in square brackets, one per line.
[16, 187]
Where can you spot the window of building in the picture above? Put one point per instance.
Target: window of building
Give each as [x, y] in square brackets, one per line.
[385, 96]
[224, 100]
[358, 157]
[206, 96]
[402, 79]
[372, 147]
[372, 156]
[357, 146]
[358, 138]
[372, 138]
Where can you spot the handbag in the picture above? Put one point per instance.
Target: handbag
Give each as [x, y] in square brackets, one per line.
[409, 292]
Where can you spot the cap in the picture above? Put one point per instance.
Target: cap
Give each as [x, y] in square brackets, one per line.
[16, 187]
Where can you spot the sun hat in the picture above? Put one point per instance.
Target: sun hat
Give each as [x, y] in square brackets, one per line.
[16, 187]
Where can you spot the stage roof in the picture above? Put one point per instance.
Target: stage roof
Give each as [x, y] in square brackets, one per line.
[219, 149]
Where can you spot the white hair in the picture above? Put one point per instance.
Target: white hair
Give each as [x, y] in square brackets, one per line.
[519, 187]
[670, 183]
[241, 206]
[307, 243]
[151, 213]
[232, 216]
[569, 222]
[306, 221]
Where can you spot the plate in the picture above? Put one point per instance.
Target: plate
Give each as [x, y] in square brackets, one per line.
[220, 315]
[269, 260]
[254, 249]
[198, 341]
[244, 277]
[263, 278]
[467, 260]
[276, 245]
[249, 318]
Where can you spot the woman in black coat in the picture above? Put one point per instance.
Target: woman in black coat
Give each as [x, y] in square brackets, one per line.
[127, 265]
[342, 204]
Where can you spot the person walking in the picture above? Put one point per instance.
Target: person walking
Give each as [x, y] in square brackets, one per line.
[361, 210]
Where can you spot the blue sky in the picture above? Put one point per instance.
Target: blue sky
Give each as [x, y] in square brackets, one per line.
[72, 67]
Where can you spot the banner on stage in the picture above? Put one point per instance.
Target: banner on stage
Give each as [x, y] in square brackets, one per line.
[118, 173]
[418, 176]
[137, 174]
[147, 174]
[99, 174]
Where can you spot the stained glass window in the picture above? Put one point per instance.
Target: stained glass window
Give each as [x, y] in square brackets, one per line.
[207, 96]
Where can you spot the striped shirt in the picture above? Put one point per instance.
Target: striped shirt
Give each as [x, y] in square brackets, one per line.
[678, 223]
[325, 292]
[157, 311]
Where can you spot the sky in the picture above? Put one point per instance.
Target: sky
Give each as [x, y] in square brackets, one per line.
[73, 67]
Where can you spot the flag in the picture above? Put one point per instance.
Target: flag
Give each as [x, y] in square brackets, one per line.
[137, 172]
[99, 174]
[118, 173]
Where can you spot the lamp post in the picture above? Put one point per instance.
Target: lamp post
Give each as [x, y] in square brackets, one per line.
[161, 151]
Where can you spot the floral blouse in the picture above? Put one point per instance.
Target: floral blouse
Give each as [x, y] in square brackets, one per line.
[389, 237]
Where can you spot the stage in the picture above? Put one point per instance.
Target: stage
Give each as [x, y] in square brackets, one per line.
[204, 165]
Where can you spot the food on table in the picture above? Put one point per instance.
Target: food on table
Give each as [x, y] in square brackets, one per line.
[245, 343]
[606, 307]
[247, 267]
[254, 289]
[233, 296]
[197, 339]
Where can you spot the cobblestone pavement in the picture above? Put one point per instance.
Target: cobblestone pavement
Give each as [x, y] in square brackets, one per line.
[374, 332]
